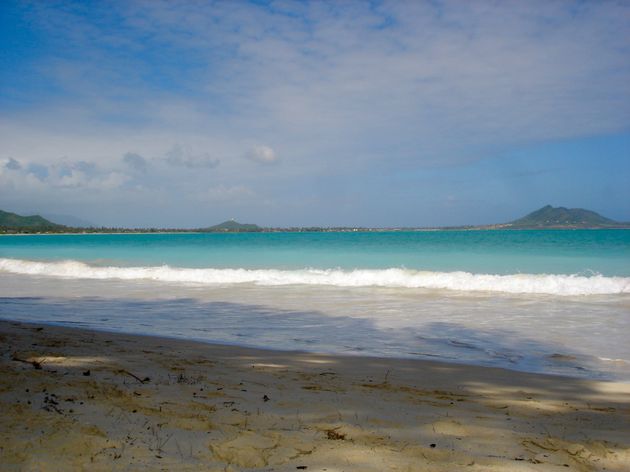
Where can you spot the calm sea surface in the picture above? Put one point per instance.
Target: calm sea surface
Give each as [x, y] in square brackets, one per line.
[543, 301]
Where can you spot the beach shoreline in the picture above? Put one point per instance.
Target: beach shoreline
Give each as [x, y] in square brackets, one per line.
[88, 400]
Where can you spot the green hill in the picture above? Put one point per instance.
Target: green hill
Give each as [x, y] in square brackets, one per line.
[232, 226]
[560, 217]
[11, 222]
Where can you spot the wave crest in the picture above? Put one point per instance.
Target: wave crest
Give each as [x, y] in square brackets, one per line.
[393, 277]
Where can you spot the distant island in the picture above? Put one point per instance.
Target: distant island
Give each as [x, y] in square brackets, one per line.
[560, 217]
[232, 226]
[547, 217]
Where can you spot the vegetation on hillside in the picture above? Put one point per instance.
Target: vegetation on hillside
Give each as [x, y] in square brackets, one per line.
[232, 226]
[561, 217]
[13, 223]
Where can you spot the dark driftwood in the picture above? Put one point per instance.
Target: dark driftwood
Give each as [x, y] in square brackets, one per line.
[35, 364]
[144, 380]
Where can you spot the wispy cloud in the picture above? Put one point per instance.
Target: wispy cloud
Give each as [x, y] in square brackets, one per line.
[262, 155]
[60, 175]
[334, 88]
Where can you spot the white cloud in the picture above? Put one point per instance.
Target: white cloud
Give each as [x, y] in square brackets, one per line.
[345, 85]
[262, 155]
[62, 174]
[345, 89]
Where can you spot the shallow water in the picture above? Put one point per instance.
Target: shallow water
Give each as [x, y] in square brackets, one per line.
[577, 336]
[549, 321]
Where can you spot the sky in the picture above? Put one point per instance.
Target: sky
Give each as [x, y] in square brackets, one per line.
[343, 113]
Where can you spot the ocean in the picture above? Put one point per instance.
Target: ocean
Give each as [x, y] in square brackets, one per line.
[549, 301]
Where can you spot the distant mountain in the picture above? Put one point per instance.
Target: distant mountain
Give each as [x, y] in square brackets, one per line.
[13, 222]
[560, 217]
[232, 226]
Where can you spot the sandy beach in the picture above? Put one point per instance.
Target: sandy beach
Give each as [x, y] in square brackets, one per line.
[73, 399]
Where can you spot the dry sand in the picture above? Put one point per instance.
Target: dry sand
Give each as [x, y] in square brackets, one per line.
[80, 400]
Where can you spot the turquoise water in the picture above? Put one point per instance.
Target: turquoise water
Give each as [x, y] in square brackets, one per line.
[541, 301]
[606, 252]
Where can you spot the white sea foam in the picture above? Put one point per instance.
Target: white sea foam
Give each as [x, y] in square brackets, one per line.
[394, 277]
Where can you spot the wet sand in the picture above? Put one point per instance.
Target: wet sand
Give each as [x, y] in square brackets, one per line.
[81, 400]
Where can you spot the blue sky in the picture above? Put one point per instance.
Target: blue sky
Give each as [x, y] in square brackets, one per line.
[167, 113]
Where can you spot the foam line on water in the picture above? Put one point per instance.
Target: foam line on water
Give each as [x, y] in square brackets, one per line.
[573, 284]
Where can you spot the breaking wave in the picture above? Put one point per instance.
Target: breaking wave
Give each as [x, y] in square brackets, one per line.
[394, 277]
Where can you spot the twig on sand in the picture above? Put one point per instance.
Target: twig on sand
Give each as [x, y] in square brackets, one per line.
[144, 380]
[35, 364]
